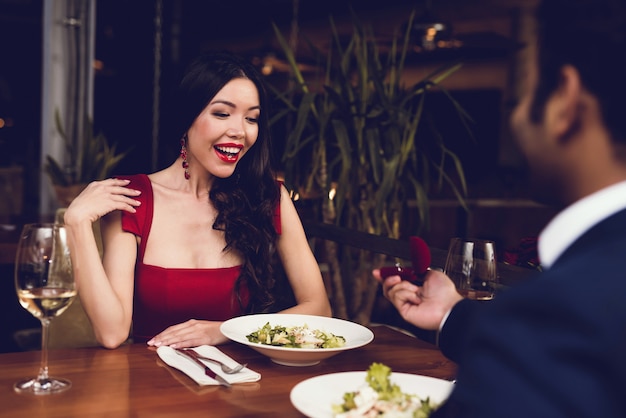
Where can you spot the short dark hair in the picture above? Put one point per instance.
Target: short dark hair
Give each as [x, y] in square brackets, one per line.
[591, 36]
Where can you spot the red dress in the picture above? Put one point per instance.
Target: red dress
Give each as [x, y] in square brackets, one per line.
[168, 296]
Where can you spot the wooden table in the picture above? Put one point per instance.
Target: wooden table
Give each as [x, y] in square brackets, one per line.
[132, 381]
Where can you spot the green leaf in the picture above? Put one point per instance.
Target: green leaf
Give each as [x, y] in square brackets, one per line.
[366, 131]
[93, 159]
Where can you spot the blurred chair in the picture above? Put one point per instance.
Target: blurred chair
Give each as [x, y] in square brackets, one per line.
[392, 250]
[380, 250]
[73, 328]
[70, 329]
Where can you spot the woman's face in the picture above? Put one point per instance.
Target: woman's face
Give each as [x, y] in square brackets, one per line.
[225, 130]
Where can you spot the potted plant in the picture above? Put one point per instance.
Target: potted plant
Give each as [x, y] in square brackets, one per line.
[92, 159]
[358, 143]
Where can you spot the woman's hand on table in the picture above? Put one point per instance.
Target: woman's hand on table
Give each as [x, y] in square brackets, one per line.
[191, 333]
[423, 306]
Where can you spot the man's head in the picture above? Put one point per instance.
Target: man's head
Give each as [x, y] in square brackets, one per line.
[575, 90]
[590, 35]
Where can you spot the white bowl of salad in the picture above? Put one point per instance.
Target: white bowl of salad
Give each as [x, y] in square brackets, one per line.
[295, 339]
[377, 392]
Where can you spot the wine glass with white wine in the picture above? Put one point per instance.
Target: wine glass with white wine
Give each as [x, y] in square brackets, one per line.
[472, 266]
[45, 287]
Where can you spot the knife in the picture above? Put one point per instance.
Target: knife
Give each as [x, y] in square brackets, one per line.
[207, 370]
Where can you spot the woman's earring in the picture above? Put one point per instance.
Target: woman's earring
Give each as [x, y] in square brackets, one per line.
[183, 155]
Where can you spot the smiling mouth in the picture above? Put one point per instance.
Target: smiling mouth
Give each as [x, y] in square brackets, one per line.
[228, 152]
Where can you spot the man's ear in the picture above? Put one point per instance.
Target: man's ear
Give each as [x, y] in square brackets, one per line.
[565, 104]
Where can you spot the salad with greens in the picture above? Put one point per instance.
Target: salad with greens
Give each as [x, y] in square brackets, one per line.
[379, 397]
[295, 337]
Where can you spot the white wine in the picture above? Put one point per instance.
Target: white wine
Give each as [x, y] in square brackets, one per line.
[46, 302]
[45, 287]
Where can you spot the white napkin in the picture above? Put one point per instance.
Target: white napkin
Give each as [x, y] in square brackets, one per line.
[193, 370]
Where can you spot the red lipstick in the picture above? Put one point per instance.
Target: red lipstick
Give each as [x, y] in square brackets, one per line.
[228, 152]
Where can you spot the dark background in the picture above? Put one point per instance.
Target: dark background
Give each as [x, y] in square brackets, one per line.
[125, 91]
[125, 88]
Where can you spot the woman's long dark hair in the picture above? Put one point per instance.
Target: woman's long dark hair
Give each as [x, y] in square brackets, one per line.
[246, 202]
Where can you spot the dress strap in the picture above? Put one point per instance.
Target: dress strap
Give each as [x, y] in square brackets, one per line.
[140, 222]
[149, 212]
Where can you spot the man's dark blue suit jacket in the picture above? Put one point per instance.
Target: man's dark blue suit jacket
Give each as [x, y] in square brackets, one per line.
[554, 346]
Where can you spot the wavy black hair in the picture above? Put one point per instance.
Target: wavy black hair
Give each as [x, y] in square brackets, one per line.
[246, 202]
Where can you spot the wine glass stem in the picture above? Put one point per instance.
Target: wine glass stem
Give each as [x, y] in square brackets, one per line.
[43, 369]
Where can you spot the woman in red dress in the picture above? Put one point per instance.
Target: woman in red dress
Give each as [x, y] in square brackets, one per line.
[210, 237]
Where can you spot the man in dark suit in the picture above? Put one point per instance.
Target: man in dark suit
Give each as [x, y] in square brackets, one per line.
[554, 346]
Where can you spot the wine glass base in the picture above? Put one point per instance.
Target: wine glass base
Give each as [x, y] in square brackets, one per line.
[42, 387]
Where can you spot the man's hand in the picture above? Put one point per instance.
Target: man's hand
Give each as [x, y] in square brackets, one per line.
[423, 306]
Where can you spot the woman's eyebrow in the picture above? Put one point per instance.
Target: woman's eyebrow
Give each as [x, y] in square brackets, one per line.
[231, 104]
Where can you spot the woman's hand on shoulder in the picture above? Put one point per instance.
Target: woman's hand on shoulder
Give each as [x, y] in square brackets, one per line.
[100, 198]
[191, 333]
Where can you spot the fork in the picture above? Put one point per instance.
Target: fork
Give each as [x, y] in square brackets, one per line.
[225, 368]
[207, 370]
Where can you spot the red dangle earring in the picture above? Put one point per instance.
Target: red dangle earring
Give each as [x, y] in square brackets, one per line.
[183, 155]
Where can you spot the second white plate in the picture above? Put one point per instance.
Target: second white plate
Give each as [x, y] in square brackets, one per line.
[314, 397]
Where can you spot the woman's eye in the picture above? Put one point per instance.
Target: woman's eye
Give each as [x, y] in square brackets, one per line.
[220, 114]
[252, 120]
